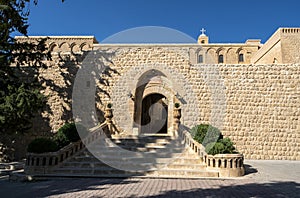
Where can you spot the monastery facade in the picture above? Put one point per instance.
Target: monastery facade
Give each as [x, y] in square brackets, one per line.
[250, 91]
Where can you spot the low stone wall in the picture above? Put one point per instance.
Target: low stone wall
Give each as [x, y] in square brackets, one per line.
[228, 165]
[40, 164]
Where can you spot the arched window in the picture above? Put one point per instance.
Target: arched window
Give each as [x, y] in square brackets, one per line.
[200, 59]
[221, 58]
[241, 58]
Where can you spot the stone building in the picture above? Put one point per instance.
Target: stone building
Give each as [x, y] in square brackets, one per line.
[250, 90]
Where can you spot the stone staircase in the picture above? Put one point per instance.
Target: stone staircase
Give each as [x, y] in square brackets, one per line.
[147, 156]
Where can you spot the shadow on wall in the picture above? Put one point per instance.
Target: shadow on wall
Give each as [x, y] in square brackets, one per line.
[66, 69]
[57, 80]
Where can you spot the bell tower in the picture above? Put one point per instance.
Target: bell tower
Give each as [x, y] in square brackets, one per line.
[203, 39]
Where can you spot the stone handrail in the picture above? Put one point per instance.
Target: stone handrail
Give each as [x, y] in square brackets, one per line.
[194, 145]
[42, 163]
[228, 165]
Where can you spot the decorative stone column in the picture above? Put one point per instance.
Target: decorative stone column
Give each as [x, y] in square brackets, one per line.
[108, 117]
[176, 116]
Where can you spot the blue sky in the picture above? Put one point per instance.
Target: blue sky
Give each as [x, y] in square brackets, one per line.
[224, 20]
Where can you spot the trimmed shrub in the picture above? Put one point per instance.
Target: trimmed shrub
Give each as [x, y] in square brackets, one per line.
[212, 139]
[68, 133]
[42, 145]
[207, 132]
[214, 148]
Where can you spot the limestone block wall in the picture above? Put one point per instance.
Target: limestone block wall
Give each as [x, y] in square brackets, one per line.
[257, 106]
[290, 45]
[282, 48]
[263, 110]
[131, 62]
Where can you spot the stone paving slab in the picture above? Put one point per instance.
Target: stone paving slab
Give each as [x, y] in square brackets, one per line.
[263, 179]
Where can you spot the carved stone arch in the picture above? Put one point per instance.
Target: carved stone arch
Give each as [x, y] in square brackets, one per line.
[231, 56]
[75, 48]
[221, 50]
[221, 53]
[64, 47]
[84, 47]
[240, 49]
[200, 52]
[53, 47]
[152, 82]
[241, 55]
[211, 56]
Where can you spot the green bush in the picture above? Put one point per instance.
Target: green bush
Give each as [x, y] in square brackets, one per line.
[222, 146]
[42, 145]
[212, 139]
[207, 132]
[68, 133]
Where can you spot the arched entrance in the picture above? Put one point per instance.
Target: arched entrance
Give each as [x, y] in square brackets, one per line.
[153, 104]
[154, 114]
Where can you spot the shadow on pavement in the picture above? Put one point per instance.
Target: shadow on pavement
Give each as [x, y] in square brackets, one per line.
[277, 189]
[249, 169]
[93, 187]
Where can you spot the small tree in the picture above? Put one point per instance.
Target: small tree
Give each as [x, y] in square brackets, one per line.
[19, 99]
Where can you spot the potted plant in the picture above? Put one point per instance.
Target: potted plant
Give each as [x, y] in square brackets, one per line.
[108, 111]
[177, 111]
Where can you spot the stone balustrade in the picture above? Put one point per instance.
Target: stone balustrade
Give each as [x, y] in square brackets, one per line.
[44, 162]
[194, 145]
[228, 165]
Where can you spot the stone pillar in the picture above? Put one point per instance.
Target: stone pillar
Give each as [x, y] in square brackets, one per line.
[108, 118]
[176, 116]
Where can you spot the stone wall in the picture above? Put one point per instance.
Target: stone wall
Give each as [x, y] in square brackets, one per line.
[282, 48]
[257, 106]
[290, 45]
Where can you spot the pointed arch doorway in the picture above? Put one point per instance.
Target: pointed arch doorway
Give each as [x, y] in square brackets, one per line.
[153, 104]
[154, 114]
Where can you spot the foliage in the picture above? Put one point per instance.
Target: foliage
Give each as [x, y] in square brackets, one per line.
[68, 133]
[42, 145]
[222, 146]
[206, 132]
[212, 139]
[19, 98]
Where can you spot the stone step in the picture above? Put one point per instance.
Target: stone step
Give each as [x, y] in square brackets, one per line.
[124, 150]
[188, 161]
[179, 173]
[97, 164]
[138, 157]
[140, 141]
[187, 166]
[141, 145]
[99, 171]
[122, 160]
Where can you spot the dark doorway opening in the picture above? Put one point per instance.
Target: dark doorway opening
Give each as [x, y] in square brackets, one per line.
[154, 114]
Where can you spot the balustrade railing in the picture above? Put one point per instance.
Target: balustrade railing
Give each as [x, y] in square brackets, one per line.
[228, 165]
[44, 162]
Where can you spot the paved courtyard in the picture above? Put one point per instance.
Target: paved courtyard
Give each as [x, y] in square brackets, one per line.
[263, 179]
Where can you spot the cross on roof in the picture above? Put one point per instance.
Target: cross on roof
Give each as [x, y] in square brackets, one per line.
[202, 30]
